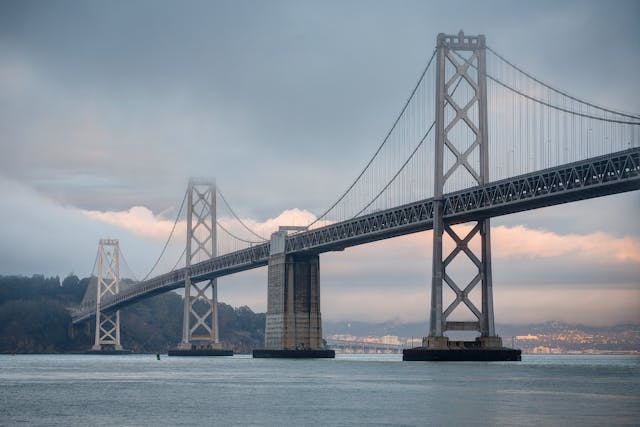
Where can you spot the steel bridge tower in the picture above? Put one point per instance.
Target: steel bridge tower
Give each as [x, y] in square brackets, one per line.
[107, 324]
[461, 61]
[200, 321]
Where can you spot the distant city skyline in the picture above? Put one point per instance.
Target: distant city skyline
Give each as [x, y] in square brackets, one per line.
[107, 109]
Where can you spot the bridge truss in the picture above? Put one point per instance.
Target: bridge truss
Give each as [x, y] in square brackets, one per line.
[599, 176]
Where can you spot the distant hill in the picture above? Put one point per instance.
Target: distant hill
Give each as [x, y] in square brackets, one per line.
[418, 329]
[34, 318]
[546, 337]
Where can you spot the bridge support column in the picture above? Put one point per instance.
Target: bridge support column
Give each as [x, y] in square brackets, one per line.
[461, 154]
[200, 317]
[293, 324]
[107, 337]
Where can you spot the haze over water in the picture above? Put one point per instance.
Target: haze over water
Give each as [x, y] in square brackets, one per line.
[74, 390]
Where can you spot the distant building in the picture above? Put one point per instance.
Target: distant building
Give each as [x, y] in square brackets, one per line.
[527, 337]
[390, 339]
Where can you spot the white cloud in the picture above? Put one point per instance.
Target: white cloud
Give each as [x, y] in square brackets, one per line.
[141, 221]
[520, 242]
[138, 220]
[289, 217]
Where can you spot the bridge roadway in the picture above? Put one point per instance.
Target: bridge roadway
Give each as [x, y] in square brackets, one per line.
[594, 177]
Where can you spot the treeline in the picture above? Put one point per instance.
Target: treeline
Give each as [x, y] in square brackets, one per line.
[35, 318]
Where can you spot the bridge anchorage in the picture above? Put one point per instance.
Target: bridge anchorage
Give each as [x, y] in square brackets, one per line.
[200, 335]
[451, 71]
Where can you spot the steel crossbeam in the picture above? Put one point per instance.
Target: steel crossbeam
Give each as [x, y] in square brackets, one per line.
[462, 245]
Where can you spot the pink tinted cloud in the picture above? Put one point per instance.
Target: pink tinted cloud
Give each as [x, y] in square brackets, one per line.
[138, 220]
[517, 242]
[522, 242]
[142, 222]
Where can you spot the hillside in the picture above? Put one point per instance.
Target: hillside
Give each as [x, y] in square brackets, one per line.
[34, 318]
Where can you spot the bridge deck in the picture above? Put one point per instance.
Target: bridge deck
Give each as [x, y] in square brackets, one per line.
[595, 177]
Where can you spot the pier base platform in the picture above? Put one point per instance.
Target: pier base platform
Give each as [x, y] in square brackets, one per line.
[462, 355]
[483, 349]
[294, 354]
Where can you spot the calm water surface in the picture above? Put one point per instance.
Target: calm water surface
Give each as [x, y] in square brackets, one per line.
[138, 390]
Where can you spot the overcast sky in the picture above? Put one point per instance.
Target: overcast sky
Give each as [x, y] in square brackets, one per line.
[107, 108]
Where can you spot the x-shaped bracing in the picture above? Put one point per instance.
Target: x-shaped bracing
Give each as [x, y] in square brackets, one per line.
[462, 295]
[461, 114]
[108, 326]
[202, 223]
[200, 318]
[109, 279]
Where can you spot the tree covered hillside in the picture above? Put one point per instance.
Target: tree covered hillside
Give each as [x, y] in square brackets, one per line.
[34, 318]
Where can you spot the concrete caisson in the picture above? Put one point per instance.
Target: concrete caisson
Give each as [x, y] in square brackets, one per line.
[293, 323]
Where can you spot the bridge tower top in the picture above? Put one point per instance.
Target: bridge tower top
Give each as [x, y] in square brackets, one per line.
[461, 111]
[201, 220]
[461, 41]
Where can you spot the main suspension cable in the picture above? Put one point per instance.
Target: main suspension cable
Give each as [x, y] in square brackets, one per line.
[95, 262]
[547, 104]
[124, 261]
[632, 116]
[239, 220]
[415, 150]
[184, 251]
[236, 237]
[166, 244]
[384, 141]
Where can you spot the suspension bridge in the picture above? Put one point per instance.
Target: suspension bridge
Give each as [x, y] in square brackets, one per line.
[478, 137]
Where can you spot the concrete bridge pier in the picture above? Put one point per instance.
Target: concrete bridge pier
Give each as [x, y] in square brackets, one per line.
[293, 324]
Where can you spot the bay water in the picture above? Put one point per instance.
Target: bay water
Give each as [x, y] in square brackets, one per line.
[352, 390]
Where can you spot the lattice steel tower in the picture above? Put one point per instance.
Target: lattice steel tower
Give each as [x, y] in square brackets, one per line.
[461, 152]
[200, 322]
[107, 324]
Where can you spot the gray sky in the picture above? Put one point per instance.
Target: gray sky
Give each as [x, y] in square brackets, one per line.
[109, 105]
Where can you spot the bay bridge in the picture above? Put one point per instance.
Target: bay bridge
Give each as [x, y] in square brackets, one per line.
[477, 137]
